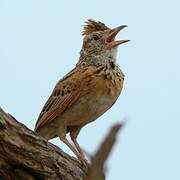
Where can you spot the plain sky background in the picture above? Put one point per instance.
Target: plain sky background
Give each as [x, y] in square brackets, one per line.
[40, 42]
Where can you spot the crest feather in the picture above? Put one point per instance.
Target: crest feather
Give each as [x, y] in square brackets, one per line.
[92, 26]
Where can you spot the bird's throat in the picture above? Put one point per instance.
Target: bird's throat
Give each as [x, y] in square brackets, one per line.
[104, 58]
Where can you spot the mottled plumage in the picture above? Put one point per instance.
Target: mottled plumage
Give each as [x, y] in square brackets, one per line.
[87, 91]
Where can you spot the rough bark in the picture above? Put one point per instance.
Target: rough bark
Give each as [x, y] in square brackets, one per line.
[25, 155]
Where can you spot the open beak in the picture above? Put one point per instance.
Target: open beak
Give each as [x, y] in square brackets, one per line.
[110, 39]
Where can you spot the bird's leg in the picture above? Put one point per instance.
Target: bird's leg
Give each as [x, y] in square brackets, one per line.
[78, 155]
[73, 134]
[84, 160]
[74, 140]
[65, 141]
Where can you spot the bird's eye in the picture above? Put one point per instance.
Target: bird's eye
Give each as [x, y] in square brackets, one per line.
[95, 37]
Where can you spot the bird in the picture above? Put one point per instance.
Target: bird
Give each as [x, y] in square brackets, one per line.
[87, 91]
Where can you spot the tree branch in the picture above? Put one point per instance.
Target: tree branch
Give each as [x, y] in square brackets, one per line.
[96, 170]
[25, 155]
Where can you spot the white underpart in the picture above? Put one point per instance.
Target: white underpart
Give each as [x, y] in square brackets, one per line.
[109, 55]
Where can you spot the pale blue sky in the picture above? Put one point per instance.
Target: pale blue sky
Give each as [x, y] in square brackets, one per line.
[40, 42]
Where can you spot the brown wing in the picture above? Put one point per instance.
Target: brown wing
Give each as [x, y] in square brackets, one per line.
[65, 93]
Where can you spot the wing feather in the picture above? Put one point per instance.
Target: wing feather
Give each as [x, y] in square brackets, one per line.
[65, 93]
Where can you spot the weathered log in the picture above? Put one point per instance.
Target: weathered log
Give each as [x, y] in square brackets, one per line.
[27, 156]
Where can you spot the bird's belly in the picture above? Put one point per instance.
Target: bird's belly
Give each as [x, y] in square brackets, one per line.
[89, 110]
[89, 107]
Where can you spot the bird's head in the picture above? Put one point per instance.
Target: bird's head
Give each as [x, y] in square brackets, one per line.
[99, 40]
